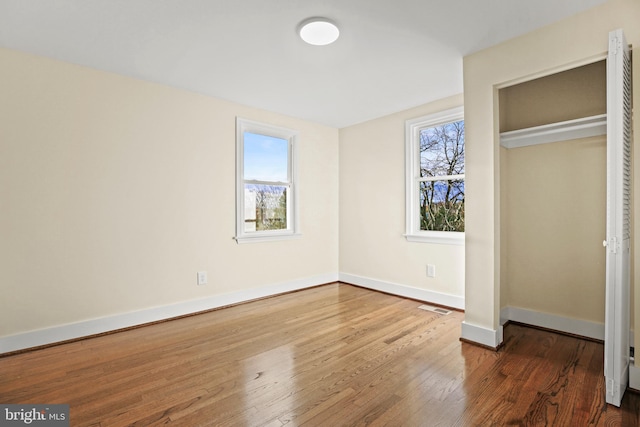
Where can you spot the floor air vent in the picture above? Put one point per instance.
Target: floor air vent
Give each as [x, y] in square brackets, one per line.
[434, 309]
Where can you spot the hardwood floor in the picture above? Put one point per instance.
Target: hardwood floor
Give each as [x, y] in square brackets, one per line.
[335, 355]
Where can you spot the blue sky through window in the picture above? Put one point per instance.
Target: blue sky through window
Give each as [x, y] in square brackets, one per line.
[265, 157]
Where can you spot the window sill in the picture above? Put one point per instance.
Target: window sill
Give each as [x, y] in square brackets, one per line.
[438, 237]
[267, 238]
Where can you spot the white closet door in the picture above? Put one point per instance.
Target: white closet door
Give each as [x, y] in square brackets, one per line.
[616, 355]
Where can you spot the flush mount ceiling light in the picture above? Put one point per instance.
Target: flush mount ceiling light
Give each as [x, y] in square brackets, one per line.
[318, 31]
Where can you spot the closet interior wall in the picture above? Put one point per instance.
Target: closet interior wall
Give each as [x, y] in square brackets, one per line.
[553, 199]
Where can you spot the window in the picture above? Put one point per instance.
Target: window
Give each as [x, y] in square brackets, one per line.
[265, 193]
[435, 178]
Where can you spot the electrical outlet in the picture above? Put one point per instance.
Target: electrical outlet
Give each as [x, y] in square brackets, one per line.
[431, 270]
[202, 278]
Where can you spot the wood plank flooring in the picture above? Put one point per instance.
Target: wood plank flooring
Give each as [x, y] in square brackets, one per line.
[334, 355]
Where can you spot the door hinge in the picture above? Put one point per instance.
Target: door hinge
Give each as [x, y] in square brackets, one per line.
[611, 244]
[614, 45]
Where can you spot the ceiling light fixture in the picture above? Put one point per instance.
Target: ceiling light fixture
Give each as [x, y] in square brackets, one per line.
[318, 31]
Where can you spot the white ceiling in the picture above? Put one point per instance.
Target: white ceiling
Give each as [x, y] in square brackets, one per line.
[391, 54]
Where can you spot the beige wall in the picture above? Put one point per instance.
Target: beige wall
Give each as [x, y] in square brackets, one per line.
[575, 41]
[115, 191]
[555, 225]
[372, 209]
[571, 94]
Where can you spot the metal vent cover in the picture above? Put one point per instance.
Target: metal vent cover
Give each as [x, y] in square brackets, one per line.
[438, 310]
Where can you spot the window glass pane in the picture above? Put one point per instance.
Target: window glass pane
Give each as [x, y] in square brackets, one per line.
[265, 207]
[266, 158]
[442, 150]
[442, 205]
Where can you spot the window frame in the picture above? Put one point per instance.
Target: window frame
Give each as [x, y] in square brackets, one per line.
[291, 136]
[413, 178]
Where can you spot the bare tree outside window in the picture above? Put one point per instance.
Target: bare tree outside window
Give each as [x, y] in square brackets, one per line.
[441, 186]
[265, 207]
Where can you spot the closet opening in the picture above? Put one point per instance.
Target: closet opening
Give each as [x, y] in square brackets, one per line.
[553, 178]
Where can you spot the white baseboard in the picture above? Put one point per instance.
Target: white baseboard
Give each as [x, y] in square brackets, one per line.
[404, 291]
[487, 337]
[90, 327]
[583, 328]
[634, 377]
[568, 325]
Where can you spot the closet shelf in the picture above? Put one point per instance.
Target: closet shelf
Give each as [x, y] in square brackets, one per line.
[555, 132]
